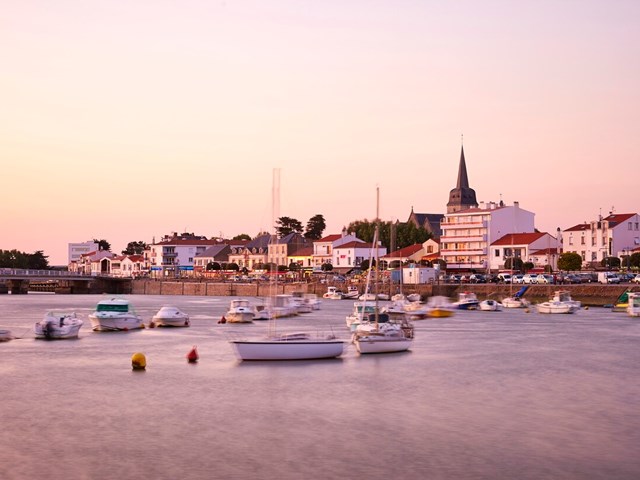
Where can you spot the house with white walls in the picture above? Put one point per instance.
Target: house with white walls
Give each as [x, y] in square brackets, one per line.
[323, 248]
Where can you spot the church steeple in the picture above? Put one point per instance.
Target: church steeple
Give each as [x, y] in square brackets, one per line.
[461, 197]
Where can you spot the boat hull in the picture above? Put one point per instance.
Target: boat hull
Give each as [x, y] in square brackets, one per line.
[382, 345]
[103, 323]
[171, 322]
[559, 309]
[240, 317]
[287, 350]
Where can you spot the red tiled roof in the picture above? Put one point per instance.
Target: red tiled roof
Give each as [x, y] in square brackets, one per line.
[404, 252]
[329, 238]
[579, 228]
[355, 244]
[616, 218]
[518, 238]
[179, 241]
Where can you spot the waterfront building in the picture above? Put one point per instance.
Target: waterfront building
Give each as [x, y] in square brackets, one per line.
[351, 254]
[174, 255]
[279, 251]
[76, 250]
[252, 254]
[127, 265]
[411, 254]
[536, 247]
[614, 235]
[467, 234]
[214, 254]
[302, 257]
[429, 221]
[323, 248]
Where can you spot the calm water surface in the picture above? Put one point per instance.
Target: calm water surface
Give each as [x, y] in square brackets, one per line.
[481, 395]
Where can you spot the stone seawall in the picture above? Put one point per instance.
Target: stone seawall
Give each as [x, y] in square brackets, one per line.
[588, 294]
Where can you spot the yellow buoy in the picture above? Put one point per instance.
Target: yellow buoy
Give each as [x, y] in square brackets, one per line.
[138, 361]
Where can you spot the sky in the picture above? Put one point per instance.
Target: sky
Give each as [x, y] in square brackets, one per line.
[129, 120]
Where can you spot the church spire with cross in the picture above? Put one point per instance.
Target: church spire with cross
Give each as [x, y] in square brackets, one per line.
[462, 197]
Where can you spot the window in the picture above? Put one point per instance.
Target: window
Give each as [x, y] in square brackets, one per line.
[594, 256]
[570, 240]
[429, 248]
[582, 254]
[496, 252]
[629, 225]
[582, 242]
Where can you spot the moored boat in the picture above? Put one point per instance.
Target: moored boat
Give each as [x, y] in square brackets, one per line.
[240, 311]
[115, 314]
[633, 304]
[439, 306]
[5, 335]
[380, 334]
[169, 316]
[292, 346]
[554, 306]
[466, 301]
[490, 305]
[58, 326]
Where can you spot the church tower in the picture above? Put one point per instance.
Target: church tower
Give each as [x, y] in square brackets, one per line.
[461, 197]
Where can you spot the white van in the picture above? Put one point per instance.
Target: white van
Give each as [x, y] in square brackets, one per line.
[608, 277]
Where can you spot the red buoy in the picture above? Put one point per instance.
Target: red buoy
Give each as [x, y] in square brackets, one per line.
[193, 356]
[222, 320]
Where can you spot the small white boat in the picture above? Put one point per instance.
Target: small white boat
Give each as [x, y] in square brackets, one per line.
[466, 301]
[292, 346]
[553, 306]
[262, 312]
[515, 302]
[115, 314]
[240, 311]
[360, 311]
[282, 305]
[58, 326]
[169, 316]
[565, 296]
[414, 297]
[333, 293]
[633, 306]
[352, 293]
[367, 297]
[490, 305]
[302, 306]
[382, 335]
[5, 335]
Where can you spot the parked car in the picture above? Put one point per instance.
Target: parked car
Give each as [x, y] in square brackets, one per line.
[517, 278]
[529, 278]
[504, 278]
[545, 279]
[636, 279]
[571, 278]
[455, 278]
[477, 278]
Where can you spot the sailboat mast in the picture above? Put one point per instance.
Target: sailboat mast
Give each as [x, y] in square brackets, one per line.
[375, 245]
[275, 212]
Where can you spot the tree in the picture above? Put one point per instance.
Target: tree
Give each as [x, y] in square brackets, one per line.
[610, 262]
[16, 259]
[103, 245]
[233, 266]
[528, 266]
[242, 236]
[315, 226]
[326, 267]
[405, 233]
[569, 261]
[287, 225]
[213, 266]
[634, 260]
[514, 263]
[135, 248]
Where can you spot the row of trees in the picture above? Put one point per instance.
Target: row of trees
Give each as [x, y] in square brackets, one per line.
[16, 259]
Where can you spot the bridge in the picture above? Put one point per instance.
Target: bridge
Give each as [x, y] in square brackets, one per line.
[20, 280]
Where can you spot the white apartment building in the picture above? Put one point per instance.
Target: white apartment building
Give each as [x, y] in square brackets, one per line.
[174, 256]
[467, 234]
[613, 236]
[76, 250]
[323, 248]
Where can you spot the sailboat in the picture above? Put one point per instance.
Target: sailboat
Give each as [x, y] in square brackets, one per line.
[286, 346]
[380, 334]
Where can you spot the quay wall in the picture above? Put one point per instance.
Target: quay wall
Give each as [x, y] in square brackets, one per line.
[588, 294]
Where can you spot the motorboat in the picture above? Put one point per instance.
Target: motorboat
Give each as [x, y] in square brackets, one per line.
[439, 306]
[170, 316]
[302, 306]
[291, 346]
[466, 301]
[282, 305]
[416, 310]
[414, 297]
[58, 326]
[352, 293]
[115, 314]
[565, 296]
[554, 306]
[367, 297]
[490, 305]
[240, 311]
[380, 334]
[633, 304]
[333, 293]
[360, 310]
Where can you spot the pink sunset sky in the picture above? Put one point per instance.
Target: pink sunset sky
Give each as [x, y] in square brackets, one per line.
[130, 120]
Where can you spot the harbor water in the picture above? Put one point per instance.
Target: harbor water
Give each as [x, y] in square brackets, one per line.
[481, 395]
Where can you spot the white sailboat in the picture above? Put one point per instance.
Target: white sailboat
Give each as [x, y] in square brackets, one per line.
[286, 346]
[379, 334]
